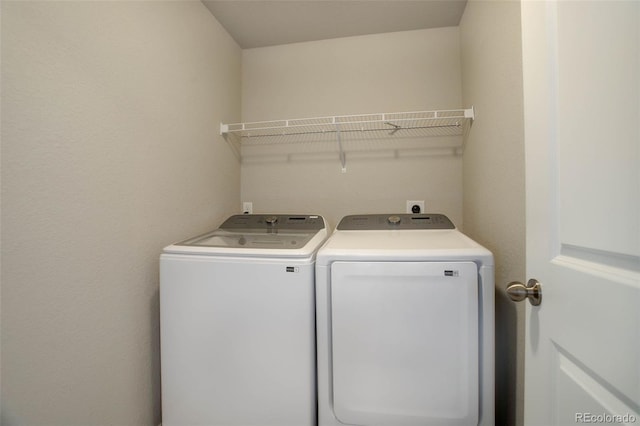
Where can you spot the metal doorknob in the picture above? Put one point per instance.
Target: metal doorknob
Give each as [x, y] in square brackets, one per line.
[532, 291]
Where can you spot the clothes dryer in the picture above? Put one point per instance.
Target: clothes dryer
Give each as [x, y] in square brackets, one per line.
[237, 319]
[405, 324]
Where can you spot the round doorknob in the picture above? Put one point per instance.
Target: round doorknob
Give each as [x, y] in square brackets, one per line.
[532, 291]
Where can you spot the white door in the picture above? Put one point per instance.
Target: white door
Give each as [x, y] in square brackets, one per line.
[582, 134]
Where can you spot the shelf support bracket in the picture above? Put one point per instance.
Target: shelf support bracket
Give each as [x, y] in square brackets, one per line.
[395, 128]
[470, 113]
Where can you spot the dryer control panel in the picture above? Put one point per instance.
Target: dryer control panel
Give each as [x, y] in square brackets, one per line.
[372, 222]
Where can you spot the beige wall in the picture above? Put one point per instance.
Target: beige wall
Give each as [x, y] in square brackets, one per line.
[494, 200]
[405, 71]
[110, 150]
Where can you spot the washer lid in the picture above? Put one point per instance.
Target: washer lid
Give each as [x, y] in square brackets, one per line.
[259, 235]
[252, 238]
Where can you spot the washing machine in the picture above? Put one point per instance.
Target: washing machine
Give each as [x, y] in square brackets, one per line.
[405, 324]
[237, 323]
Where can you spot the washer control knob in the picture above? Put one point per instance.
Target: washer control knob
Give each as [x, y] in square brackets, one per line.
[393, 220]
[271, 220]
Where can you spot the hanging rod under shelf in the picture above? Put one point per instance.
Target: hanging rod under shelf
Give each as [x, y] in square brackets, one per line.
[391, 130]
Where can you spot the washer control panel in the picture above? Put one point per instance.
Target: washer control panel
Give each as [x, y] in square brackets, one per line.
[372, 222]
[273, 221]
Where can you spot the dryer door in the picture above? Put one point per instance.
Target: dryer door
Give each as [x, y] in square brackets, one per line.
[405, 343]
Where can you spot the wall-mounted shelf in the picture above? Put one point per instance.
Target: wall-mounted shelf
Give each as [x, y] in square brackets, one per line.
[383, 125]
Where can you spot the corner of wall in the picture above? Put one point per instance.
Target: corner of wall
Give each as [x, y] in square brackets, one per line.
[493, 182]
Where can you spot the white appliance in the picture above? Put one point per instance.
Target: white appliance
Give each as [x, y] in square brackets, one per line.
[237, 319]
[405, 324]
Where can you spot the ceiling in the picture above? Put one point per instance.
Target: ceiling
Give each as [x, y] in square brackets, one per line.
[260, 23]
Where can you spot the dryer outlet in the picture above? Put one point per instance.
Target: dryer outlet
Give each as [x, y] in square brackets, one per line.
[415, 206]
[247, 207]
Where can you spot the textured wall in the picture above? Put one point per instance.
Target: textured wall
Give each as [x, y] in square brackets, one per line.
[394, 72]
[110, 150]
[494, 198]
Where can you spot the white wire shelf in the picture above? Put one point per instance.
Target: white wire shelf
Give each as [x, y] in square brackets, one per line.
[382, 125]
